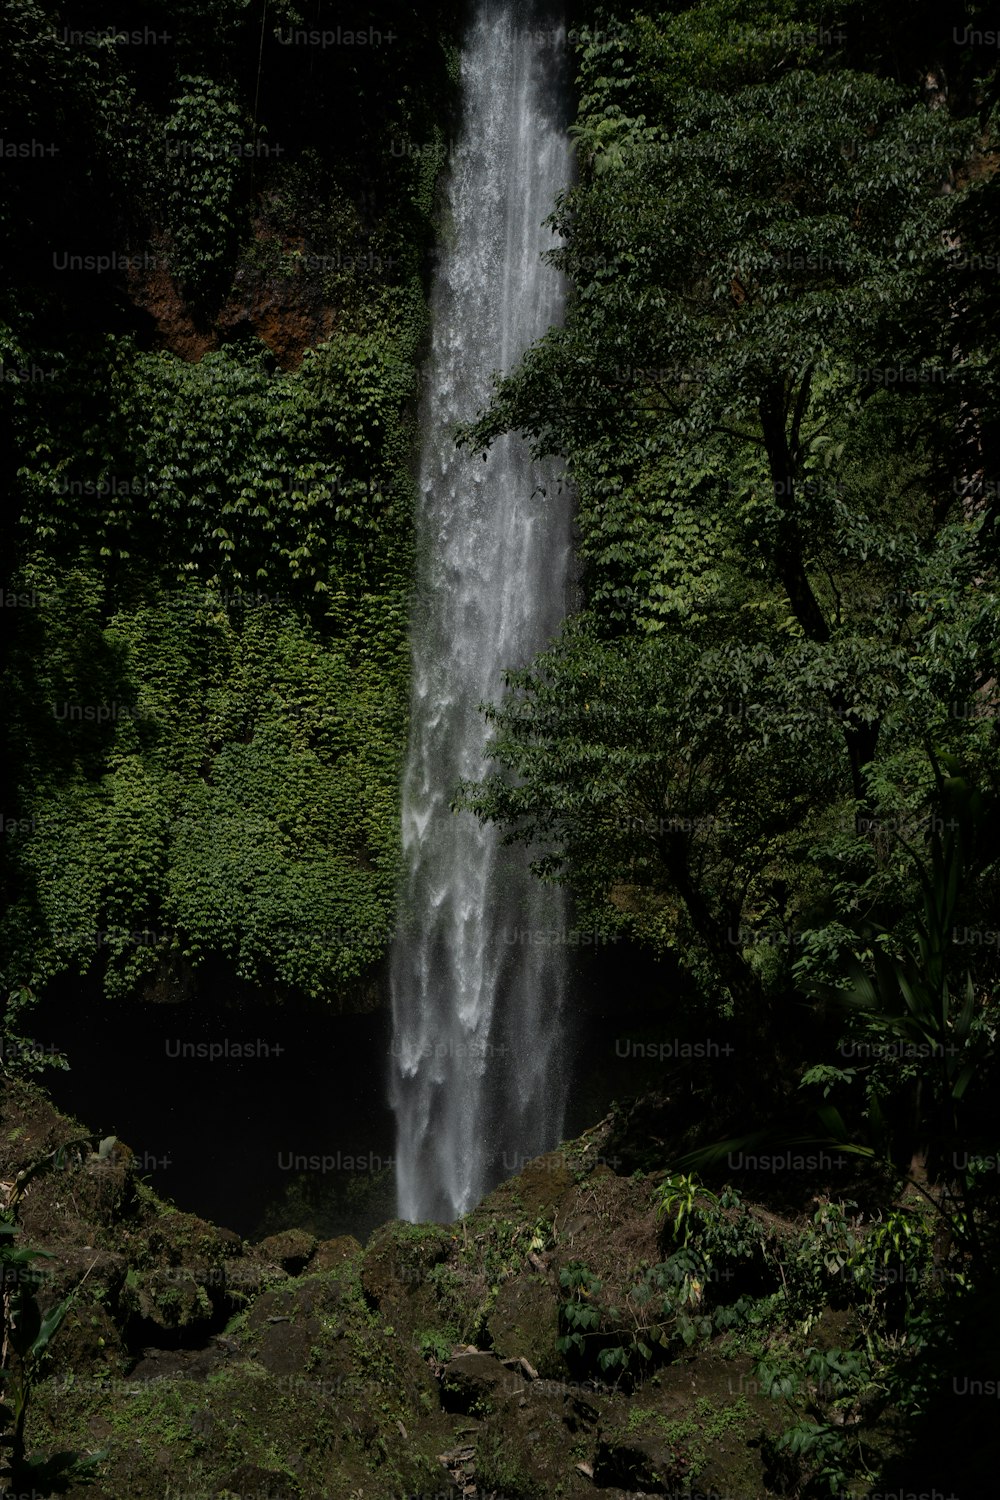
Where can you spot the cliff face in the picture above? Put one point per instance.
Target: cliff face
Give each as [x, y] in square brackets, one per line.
[288, 315]
[284, 292]
[212, 489]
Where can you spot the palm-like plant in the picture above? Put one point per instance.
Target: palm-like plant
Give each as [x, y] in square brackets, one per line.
[916, 1010]
[25, 1335]
[908, 999]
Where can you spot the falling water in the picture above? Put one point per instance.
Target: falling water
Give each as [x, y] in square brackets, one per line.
[478, 969]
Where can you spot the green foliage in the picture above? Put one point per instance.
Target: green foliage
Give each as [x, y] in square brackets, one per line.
[248, 480]
[909, 998]
[206, 136]
[786, 599]
[682, 1199]
[221, 563]
[827, 1076]
[200, 538]
[683, 1299]
[244, 806]
[892, 1286]
[577, 1313]
[924, 1029]
[27, 1332]
[901, 1296]
[20, 1056]
[503, 1246]
[818, 1456]
[692, 1437]
[436, 1345]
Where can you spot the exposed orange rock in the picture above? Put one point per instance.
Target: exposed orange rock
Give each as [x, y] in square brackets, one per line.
[153, 290]
[286, 313]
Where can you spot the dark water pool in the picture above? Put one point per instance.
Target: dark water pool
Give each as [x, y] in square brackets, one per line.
[262, 1116]
[257, 1116]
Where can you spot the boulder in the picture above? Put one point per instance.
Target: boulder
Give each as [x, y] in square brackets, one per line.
[290, 1249]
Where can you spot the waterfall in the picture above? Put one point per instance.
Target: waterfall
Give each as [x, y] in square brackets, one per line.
[478, 964]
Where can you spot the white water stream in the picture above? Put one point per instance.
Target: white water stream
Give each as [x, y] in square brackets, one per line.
[478, 965]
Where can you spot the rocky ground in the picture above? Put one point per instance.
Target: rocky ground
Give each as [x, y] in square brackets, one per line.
[422, 1365]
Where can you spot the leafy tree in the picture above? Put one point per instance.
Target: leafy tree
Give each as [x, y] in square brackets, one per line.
[784, 595]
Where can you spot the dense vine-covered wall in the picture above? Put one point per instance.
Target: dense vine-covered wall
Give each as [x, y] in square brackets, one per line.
[219, 226]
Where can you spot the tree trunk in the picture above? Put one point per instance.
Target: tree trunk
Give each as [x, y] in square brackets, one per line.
[860, 738]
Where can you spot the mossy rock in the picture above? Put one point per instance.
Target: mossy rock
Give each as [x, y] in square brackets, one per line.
[478, 1384]
[284, 1326]
[696, 1422]
[91, 1334]
[318, 1332]
[501, 1465]
[169, 1298]
[396, 1272]
[524, 1323]
[399, 1254]
[90, 1339]
[544, 1183]
[329, 1255]
[173, 1238]
[30, 1126]
[290, 1249]
[100, 1274]
[530, 1447]
[537, 1192]
[106, 1188]
[244, 1277]
[241, 1432]
[651, 1463]
[251, 1479]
